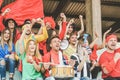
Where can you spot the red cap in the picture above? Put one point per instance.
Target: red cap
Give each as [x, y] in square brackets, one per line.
[110, 36]
[51, 20]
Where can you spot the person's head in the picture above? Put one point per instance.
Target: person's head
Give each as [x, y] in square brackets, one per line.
[54, 43]
[49, 23]
[28, 27]
[51, 32]
[6, 35]
[85, 39]
[6, 38]
[73, 38]
[27, 21]
[10, 23]
[111, 41]
[71, 28]
[32, 48]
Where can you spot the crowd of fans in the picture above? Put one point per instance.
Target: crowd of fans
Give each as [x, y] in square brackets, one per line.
[56, 54]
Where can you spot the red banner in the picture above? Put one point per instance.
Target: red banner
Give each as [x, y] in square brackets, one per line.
[1, 1]
[25, 9]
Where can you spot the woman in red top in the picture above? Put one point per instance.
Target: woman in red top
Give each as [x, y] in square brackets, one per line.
[11, 24]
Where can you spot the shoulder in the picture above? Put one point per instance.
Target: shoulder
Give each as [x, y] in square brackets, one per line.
[104, 54]
[118, 49]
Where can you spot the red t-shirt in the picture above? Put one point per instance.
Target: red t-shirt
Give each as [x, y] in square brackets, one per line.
[52, 57]
[107, 61]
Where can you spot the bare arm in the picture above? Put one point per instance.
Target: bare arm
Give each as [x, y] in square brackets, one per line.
[69, 23]
[5, 12]
[94, 41]
[62, 15]
[37, 66]
[82, 25]
[103, 42]
[81, 64]
[40, 21]
[21, 40]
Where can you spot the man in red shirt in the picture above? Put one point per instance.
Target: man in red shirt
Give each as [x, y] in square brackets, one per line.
[54, 57]
[110, 59]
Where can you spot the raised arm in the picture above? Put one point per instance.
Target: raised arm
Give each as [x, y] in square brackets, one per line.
[94, 41]
[2, 27]
[41, 37]
[40, 21]
[104, 36]
[63, 30]
[20, 43]
[85, 58]
[5, 12]
[82, 25]
[69, 23]
[103, 42]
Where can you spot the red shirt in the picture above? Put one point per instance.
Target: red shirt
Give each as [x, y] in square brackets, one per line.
[107, 61]
[51, 56]
[17, 36]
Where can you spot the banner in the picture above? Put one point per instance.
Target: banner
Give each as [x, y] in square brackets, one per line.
[24, 9]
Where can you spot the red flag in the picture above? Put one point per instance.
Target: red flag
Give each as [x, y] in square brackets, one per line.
[1, 1]
[25, 9]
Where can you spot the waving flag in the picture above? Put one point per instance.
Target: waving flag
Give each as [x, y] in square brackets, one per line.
[1, 1]
[25, 9]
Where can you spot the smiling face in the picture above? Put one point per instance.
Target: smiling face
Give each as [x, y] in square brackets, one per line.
[11, 24]
[55, 44]
[111, 44]
[73, 39]
[48, 25]
[28, 29]
[70, 29]
[31, 47]
[6, 35]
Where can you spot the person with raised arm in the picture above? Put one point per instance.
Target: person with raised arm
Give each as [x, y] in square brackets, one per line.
[110, 59]
[53, 58]
[31, 58]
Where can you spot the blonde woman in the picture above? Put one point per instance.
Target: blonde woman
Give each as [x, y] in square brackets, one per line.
[6, 54]
[30, 59]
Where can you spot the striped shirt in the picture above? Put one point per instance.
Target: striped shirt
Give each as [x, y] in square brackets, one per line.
[85, 72]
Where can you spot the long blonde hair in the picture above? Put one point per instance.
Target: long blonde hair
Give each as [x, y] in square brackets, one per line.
[9, 42]
[37, 53]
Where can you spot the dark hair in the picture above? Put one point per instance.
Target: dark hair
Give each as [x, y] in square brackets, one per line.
[15, 25]
[50, 32]
[49, 41]
[71, 34]
[9, 41]
[26, 21]
[73, 26]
